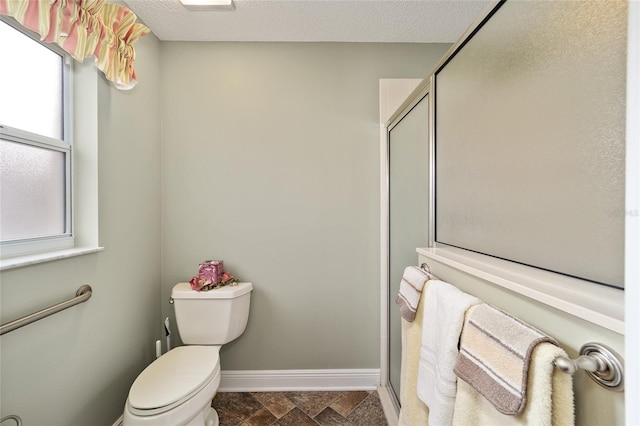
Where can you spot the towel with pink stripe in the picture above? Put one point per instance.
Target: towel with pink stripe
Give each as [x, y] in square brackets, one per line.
[411, 285]
[495, 354]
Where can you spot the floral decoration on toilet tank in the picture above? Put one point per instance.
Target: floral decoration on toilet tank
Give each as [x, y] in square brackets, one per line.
[211, 275]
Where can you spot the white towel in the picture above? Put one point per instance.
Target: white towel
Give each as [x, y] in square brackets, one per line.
[411, 285]
[444, 308]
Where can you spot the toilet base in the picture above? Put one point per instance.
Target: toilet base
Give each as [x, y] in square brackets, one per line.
[208, 417]
[212, 419]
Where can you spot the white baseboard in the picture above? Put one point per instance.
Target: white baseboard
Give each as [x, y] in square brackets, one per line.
[119, 421]
[298, 380]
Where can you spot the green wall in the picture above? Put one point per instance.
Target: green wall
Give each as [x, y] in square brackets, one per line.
[271, 163]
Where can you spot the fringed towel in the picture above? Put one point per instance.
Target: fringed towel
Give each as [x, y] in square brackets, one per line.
[411, 286]
[549, 397]
[444, 307]
[495, 355]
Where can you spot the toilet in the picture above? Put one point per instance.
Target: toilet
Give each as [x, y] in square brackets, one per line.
[177, 388]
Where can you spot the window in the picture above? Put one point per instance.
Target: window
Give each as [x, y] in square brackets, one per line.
[35, 146]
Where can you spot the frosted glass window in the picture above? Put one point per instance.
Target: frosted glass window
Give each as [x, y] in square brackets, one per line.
[35, 155]
[530, 150]
[32, 185]
[32, 84]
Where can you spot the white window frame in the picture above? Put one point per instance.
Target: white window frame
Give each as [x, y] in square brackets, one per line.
[27, 246]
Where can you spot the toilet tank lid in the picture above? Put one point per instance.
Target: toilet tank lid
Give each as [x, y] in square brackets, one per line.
[184, 291]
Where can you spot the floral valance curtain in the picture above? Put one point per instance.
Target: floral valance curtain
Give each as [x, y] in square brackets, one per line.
[85, 28]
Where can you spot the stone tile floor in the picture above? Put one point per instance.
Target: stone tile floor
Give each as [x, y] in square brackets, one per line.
[348, 408]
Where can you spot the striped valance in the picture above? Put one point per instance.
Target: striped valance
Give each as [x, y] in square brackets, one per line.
[85, 28]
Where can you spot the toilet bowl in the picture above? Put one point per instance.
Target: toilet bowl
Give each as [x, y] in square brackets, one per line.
[178, 387]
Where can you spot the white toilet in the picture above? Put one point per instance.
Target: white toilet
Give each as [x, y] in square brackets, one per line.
[177, 388]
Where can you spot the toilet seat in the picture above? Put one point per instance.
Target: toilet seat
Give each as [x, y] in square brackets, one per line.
[173, 379]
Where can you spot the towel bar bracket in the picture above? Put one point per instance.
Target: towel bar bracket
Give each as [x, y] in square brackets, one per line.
[427, 270]
[601, 363]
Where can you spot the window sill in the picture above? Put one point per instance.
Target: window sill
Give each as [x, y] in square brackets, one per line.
[33, 259]
[598, 304]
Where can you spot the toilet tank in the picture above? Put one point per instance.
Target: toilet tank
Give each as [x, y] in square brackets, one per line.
[213, 317]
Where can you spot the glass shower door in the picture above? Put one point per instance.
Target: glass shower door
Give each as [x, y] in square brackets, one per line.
[408, 213]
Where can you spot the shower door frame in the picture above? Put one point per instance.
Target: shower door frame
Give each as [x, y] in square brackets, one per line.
[421, 91]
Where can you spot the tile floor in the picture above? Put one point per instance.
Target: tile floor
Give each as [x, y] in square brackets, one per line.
[349, 408]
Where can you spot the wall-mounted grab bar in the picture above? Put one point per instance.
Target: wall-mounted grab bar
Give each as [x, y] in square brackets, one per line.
[82, 295]
[13, 417]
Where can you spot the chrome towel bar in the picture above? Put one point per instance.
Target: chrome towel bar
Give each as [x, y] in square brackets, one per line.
[82, 295]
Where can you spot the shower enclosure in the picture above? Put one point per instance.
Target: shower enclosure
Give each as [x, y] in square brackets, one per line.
[408, 178]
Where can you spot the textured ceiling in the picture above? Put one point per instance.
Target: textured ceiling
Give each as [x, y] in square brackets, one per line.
[411, 21]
